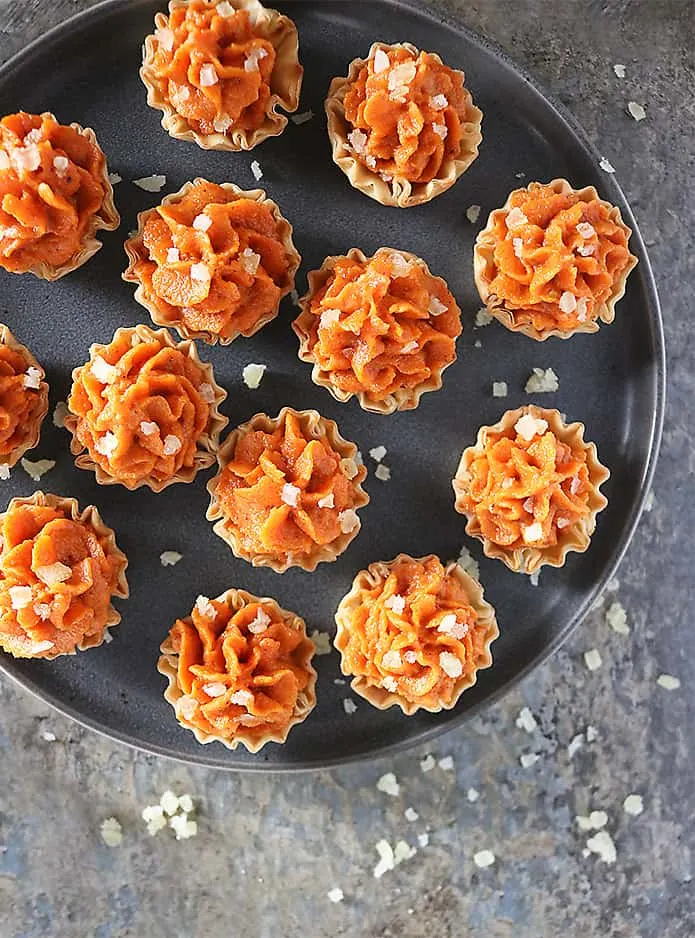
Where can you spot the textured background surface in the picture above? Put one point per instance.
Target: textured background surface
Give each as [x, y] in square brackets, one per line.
[270, 848]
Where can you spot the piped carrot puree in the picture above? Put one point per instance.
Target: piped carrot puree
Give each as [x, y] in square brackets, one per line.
[239, 669]
[56, 582]
[211, 260]
[557, 257]
[141, 408]
[213, 68]
[51, 184]
[382, 325]
[406, 113]
[415, 633]
[20, 405]
[526, 486]
[285, 493]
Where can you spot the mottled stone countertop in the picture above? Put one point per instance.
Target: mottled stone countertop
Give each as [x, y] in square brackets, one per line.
[270, 847]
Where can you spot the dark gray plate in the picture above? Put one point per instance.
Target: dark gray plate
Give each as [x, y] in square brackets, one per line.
[87, 71]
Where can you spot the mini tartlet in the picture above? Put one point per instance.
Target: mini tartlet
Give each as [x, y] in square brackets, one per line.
[414, 633]
[287, 491]
[144, 410]
[553, 261]
[23, 399]
[239, 670]
[219, 71]
[55, 195]
[530, 489]
[381, 328]
[212, 261]
[402, 126]
[59, 570]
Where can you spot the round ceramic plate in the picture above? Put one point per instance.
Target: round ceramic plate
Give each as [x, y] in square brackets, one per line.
[87, 71]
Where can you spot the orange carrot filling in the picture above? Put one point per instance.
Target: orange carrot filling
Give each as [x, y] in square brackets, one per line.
[22, 400]
[406, 112]
[141, 409]
[557, 258]
[239, 670]
[415, 633]
[284, 493]
[56, 582]
[212, 261]
[51, 185]
[382, 326]
[214, 70]
[525, 491]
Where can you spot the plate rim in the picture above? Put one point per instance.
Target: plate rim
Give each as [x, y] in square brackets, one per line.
[449, 21]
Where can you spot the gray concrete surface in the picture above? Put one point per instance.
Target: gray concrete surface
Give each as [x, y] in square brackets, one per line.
[269, 848]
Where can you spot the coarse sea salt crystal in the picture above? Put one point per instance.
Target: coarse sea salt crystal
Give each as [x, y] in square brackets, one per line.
[483, 858]
[542, 381]
[290, 494]
[606, 166]
[410, 656]
[322, 642]
[182, 827]
[259, 623]
[568, 302]
[336, 894]
[148, 427]
[222, 124]
[619, 70]
[439, 102]
[256, 170]
[169, 558]
[532, 533]
[382, 473]
[250, 261]
[390, 684]
[252, 375]
[441, 130]
[428, 763]
[153, 183]
[224, 8]
[499, 388]
[446, 764]
[386, 858]
[20, 596]
[208, 75]
[349, 706]
[26, 158]
[204, 607]
[61, 163]
[602, 845]
[450, 664]
[302, 117]
[173, 256]
[328, 501]
[202, 222]
[381, 61]
[636, 111]
[516, 218]
[389, 785]
[400, 266]
[107, 444]
[633, 805]
[396, 603]
[103, 371]
[348, 467]
[253, 58]
[32, 378]
[436, 307]
[411, 814]
[43, 611]
[392, 659]
[241, 698]
[111, 832]
[200, 272]
[668, 682]
[329, 317]
[592, 659]
[358, 140]
[472, 795]
[172, 444]
[586, 229]
[527, 759]
[529, 426]
[526, 720]
[409, 347]
[518, 245]
[468, 563]
[115, 178]
[53, 573]
[377, 453]
[165, 37]
[483, 317]
[207, 393]
[348, 520]
[216, 689]
[450, 626]
[575, 744]
[616, 617]
[473, 213]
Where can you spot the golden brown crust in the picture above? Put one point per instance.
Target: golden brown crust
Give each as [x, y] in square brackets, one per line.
[577, 536]
[8, 339]
[285, 87]
[483, 269]
[372, 577]
[90, 517]
[167, 665]
[398, 192]
[207, 443]
[136, 251]
[315, 427]
[402, 399]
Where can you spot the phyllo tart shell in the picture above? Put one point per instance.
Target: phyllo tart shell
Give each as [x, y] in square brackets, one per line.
[23, 399]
